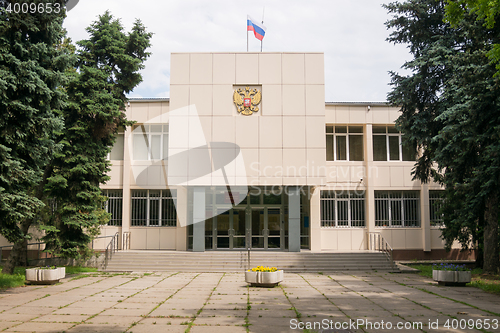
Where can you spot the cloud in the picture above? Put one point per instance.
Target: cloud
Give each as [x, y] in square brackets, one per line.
[350, 33]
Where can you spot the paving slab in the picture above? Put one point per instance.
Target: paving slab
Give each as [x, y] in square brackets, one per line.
[217, 302]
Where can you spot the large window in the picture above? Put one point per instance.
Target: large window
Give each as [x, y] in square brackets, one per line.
[397, 209]
[342, 209]
[344, 143]
[150, 142]
[387, 145]
[114, 206]
[154, 208]
[435, 204]
[116, 153]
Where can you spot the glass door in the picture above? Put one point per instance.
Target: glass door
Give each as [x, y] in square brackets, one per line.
[223, 230]
[257, 228]
[238, 232]
[274, 232]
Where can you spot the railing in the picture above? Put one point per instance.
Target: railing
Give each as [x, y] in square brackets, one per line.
[126, 240]
[29, 244]
[111, 248]
[377, 242]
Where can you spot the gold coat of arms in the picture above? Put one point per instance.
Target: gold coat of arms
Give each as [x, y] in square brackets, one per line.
[246, 100]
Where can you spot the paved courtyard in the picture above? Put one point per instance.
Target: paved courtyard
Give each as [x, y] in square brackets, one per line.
[218, 302]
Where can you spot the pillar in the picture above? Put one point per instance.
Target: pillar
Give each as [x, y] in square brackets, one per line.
[198, 219]
[293, 219]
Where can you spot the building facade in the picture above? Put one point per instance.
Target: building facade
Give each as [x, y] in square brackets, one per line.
[311, 175]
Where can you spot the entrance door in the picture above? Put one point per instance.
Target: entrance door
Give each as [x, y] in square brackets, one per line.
[274, 228]
[266, 228]
[239, 229]
[223, 230]
[257, 228]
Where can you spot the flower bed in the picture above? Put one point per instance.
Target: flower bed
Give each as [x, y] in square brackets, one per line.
[451, 275]
[45, 275]
[264, 276]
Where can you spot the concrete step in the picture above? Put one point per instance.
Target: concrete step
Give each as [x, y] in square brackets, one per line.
[230, 261]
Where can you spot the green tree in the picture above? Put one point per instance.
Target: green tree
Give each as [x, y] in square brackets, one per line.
[107, 69]
[31, 71]
[486, 10]
[449, 107]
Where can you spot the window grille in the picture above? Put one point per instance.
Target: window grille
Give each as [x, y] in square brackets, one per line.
[435, 204]
[397, 209]
[154, 208]
[342, 209]
[114, 206]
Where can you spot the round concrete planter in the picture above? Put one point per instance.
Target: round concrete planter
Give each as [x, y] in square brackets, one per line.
[45, 276]
[264, 279]
[452, 278]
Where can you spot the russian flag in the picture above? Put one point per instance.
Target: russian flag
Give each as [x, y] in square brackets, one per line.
[259, 30]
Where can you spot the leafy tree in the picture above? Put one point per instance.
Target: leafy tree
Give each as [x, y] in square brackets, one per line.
[31, 72]
[107, 69]
[449, 107]
[486, 10]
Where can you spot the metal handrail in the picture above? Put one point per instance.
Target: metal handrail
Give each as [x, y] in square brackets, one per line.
[377, 242]
[126, 240]
[111, 248]
[29, 244]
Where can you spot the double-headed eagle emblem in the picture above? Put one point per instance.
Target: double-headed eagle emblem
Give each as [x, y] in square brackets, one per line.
[246, 100]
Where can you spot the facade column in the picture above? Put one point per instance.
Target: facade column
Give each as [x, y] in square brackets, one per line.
[369, 181]
[425, 217]
[315, 219]
[126, 198]
[293, 219]
[181, 229]
[198, 219]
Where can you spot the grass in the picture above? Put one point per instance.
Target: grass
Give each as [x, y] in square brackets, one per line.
[486, 282]
[18, 278]
[11, 281]
[79, 269]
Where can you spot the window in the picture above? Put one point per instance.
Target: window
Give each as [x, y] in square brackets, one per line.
[114, 206]
[387, 145]
[342, 209]
[116, 153]
[397, 209]
[154, 208]
[344, 143]
[435, 204]
[150, 142]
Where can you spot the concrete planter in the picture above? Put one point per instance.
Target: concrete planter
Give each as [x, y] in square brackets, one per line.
[45, 276]
[449, 278]
[264, 279]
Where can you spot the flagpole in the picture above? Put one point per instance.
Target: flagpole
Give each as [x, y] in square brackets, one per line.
[263, 9]
[246, 27]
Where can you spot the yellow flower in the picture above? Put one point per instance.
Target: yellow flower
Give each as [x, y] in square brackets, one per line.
[264, 269]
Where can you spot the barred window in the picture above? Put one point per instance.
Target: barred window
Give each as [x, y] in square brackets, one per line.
[150, 142]
[342, 209]
[397, 209]
[435, 204]
[154, 208]
[387, 145]
[344, 143]
[114, 206]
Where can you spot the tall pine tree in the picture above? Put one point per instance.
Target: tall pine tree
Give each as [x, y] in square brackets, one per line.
[108, 68]
[450, 109]
[32, 70]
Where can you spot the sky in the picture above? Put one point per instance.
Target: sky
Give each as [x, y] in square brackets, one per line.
[351, 34]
